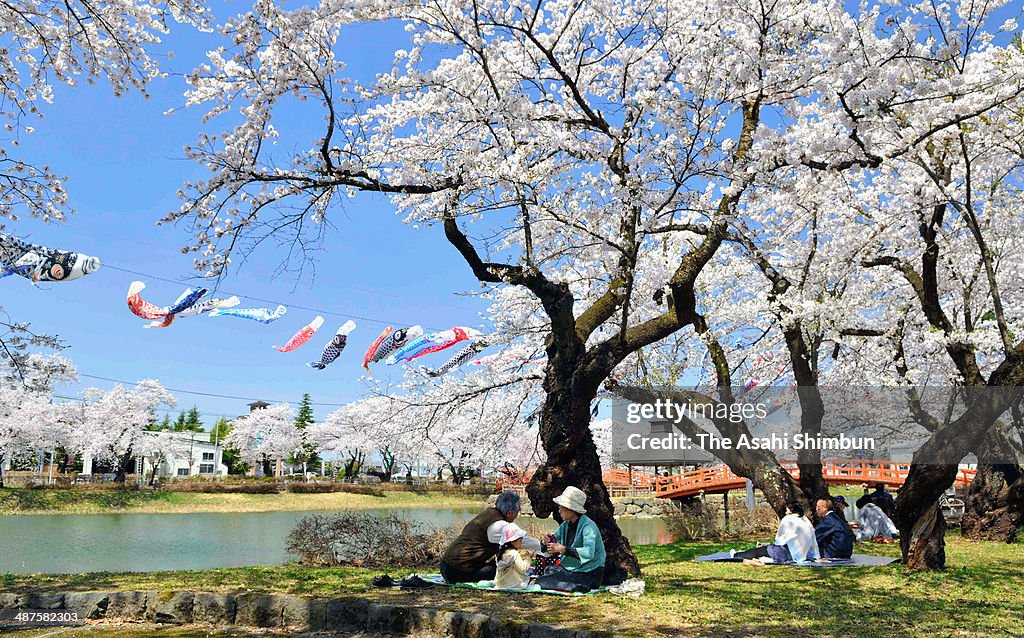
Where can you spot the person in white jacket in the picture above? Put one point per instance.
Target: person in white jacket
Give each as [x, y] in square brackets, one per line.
[794, 541]
[874, 523]
[512, 567]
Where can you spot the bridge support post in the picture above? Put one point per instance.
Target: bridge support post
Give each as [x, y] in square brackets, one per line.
[725, 499]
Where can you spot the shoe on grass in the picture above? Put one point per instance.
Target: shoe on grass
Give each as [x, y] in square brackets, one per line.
[383, 581]
[414, 582]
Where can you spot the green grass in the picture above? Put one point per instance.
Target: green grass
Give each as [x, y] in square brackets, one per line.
[979, 595]
[91, 501]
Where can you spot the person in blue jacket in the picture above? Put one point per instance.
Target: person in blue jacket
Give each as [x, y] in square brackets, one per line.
[580, 546]
[833, 533]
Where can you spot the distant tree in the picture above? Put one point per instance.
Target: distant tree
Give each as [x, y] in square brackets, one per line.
[193, 423]
[307, 453]
[162, 446]
[166, 423]
[112, 425]
[179, 423]
[29, 420]
[264, 435]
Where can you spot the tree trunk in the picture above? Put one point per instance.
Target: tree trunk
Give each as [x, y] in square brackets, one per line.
[266, 467]
[572, 460]
[918, 518]
[776, 484]
[583, 472]
[121, 471]
[812, 411]
[156, 465]
[994, 508]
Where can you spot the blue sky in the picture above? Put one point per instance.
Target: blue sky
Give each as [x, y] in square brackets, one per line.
[124, 162]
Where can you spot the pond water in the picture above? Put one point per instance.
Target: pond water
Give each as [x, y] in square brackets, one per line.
[156, 542]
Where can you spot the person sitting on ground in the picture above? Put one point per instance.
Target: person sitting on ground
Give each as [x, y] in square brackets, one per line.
[578, 541]
[794, 541]
[839, 506]
[470, 557]
[882, 499]
[873, 524]
[833, 535]
[512, 567]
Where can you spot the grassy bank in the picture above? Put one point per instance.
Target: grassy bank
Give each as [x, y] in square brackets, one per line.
[73, 501]
[979, 595]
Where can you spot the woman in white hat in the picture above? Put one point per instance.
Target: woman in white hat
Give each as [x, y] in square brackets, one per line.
[578, 541]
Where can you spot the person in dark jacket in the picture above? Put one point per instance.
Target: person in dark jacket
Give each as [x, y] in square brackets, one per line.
[470, 557]
[833, 533]
[881, 498]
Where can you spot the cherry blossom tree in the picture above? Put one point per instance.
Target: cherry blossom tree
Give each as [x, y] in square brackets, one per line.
[113, 424]
[358, 430]
[160, 446]
[592, 155]
[28, 419]
[265, 434]
[46, 43]
[17, 343]
[954, 260]
[423, 423]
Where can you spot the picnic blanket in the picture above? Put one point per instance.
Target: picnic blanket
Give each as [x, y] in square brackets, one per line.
[488, 585]
[857, 560]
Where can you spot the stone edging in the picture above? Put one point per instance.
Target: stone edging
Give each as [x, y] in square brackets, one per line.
[280, 611]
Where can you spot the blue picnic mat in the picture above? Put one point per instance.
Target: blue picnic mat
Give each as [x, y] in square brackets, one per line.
[857, 560]
[488, 585]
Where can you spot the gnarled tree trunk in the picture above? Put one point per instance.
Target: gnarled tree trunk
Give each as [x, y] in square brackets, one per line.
[572, 458]
[918, 518]
[994, 508]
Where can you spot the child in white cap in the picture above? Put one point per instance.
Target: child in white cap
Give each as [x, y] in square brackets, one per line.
[513, 567]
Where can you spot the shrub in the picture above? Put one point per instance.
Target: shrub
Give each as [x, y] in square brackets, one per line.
[366, 540]
[324, 488]
[694, 521]
[211, 487]
[761, 521]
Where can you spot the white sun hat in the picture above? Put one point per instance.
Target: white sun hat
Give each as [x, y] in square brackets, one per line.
[572, 498]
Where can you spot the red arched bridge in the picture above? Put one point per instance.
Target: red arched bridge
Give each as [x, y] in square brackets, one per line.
[719, 478]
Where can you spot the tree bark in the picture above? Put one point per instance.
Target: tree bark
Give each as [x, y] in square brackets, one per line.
[994, 508]
[918, 518]
[572, 460]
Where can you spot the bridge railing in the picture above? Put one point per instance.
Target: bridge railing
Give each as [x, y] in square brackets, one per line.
[837, 472]
[720, 478]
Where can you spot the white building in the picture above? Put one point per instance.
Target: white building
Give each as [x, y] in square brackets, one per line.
[186, 454]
